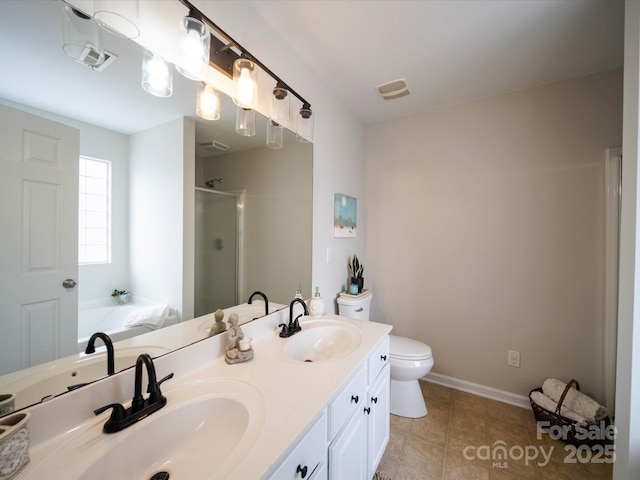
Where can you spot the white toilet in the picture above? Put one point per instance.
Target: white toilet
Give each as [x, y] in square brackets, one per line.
[409, 360]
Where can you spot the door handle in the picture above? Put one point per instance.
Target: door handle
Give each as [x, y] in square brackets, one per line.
[69, 283]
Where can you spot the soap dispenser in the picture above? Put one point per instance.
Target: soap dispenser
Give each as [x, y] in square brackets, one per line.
[316, 304]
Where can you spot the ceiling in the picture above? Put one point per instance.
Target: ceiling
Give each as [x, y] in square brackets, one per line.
[449, 51]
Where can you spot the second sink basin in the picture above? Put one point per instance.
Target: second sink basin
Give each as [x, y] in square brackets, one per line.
[323, 340]
[204, 431]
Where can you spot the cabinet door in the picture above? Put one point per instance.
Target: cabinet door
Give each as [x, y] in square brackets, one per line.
[347, 453]
[377, 417]
[309, 454]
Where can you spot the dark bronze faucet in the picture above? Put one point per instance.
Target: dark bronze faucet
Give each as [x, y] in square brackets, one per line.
[110, 353]
[140, 408]
[294, 325]
[266, 302]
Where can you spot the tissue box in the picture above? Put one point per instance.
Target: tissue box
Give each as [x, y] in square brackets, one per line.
[14, 444]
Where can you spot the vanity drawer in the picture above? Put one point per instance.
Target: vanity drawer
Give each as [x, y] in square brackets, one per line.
[378, 360]
[348, 400]
[309, 457]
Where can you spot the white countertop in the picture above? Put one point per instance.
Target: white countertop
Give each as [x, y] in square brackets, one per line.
[294, 393]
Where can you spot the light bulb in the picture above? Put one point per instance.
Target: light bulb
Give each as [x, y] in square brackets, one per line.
[245, 87]
[194, 50]
[157, 75]
[208, 102]
[245, 83]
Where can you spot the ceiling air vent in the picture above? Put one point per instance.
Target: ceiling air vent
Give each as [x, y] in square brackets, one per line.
[215, 146]
[394, 89]
[92, 58]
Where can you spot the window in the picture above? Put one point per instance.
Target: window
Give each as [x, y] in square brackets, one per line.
[94, 223]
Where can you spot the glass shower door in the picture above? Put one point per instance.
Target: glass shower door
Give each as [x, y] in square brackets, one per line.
[216, 251]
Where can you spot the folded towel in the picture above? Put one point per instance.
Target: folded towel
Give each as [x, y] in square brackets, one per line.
[576, 401]
[545, 402]
[152, 317]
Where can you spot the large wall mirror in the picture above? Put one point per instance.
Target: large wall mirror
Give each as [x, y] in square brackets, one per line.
[199, 217]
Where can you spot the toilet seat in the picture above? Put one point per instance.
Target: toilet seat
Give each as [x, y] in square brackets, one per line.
[402, 348]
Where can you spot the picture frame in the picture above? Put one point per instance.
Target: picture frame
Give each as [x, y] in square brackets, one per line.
[345, 217]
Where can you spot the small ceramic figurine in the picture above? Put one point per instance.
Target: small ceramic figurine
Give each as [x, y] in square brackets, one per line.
[219, 326]
[236, 353]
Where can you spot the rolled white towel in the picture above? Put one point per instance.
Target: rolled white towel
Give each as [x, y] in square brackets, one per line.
[153, 316]
[545, 402]
[576, 401]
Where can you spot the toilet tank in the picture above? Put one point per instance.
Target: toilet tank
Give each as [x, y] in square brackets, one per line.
[355, 306]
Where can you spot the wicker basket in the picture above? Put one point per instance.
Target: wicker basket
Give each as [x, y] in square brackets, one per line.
[573, 436]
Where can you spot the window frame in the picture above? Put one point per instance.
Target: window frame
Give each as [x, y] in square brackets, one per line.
[109, 201]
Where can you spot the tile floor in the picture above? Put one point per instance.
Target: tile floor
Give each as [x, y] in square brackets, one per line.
[432, 447]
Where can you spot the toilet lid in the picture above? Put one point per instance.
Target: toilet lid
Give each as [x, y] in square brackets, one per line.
[407, 348]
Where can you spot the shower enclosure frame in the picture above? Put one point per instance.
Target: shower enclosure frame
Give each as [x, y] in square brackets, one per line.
[239, 195]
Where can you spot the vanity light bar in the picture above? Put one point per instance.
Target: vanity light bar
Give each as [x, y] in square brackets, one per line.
[222, 56]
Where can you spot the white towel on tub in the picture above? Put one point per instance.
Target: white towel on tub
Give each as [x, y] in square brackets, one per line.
[575, 400]
[152, 317]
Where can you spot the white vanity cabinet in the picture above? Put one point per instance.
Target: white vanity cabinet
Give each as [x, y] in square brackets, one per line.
[377, 413]
[347, 430]
[308, 460]
[359, 420]
[377, 406]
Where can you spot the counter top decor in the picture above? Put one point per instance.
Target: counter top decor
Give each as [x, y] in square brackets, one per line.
[14, 445]
[255, 413]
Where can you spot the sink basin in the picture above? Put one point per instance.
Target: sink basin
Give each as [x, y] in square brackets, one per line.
[204, 431]
[323, 340]
[55, 377]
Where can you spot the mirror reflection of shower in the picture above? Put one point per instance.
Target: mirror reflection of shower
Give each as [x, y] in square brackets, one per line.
[212, 183]
[218, 245]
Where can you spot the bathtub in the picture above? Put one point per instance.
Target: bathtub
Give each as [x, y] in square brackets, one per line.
[103, 315]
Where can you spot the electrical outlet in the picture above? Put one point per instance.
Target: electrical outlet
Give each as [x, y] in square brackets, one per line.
[513, 359]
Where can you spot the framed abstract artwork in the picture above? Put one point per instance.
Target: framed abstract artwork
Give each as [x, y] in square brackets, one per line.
[345, 216]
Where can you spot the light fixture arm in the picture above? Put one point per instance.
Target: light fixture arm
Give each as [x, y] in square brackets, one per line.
[219, 50]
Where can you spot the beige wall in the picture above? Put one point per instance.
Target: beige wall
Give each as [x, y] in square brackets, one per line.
[277, 215]
[485, 231]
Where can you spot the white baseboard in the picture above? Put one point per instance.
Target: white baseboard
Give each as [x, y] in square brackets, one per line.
[480, 390]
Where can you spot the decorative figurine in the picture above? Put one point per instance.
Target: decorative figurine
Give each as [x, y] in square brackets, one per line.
[236, 346]
[219, 326]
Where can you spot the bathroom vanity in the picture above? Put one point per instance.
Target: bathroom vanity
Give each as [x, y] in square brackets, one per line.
[315, 405]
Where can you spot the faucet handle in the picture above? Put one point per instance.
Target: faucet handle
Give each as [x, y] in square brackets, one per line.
[117, 414]
[285, 330]
[296, 324]
[154, 390]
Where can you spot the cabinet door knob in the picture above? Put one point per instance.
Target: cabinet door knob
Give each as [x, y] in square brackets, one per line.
[359, 309]
[374, 399]
[383, 358]
[354, 398]
[302, 471]
[367, 410]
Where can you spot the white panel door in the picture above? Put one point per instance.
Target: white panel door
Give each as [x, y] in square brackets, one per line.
[39, 239]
